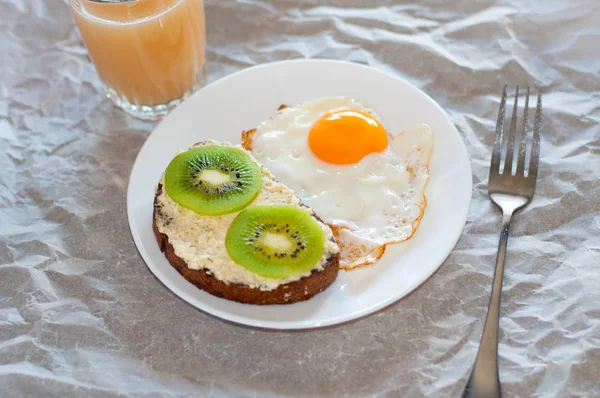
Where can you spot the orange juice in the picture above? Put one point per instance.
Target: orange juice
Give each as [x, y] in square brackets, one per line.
[148, 53]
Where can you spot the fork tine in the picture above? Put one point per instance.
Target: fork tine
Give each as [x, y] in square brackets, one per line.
[510, 146]
[495, 164]
[523, 143]
[535, 142]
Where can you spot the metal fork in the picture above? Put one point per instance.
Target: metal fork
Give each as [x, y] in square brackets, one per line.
[510, 192]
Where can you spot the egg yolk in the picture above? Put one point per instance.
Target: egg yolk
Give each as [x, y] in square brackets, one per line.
[346, 136]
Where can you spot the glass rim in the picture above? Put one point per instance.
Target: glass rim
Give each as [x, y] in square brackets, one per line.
[111, 1]
[78, 6]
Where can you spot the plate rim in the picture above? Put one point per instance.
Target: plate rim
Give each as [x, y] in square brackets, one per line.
[301, 324]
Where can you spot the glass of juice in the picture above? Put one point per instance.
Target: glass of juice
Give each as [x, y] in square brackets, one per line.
[149, 53]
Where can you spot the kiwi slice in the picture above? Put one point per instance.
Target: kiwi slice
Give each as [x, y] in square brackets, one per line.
[275, 241]
[213, 180]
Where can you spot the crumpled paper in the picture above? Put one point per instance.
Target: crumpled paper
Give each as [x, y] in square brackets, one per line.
[81, 315]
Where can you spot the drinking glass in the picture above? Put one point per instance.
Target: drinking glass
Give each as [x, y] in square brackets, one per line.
[150, 54]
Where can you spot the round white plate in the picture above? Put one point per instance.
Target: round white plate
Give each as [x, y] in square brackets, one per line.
[240, 102]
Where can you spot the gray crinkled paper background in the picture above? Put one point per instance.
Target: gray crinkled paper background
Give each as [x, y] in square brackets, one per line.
[81, 315]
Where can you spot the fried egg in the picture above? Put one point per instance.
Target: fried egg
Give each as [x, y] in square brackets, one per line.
[367, 184]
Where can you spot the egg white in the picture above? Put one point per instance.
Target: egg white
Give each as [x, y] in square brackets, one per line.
[377, 201]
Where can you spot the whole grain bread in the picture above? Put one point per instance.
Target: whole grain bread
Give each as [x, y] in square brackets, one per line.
[289, 293]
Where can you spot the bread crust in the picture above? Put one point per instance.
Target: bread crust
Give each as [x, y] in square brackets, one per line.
[300, 290]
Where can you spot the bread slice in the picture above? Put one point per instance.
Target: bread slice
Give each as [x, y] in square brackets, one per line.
[291, 292]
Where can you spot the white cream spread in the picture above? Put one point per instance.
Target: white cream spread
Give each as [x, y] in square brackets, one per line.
[200, 240]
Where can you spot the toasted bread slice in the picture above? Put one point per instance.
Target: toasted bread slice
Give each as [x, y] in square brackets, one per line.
[204, 278]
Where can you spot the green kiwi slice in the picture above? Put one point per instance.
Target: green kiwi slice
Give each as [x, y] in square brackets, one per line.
[275, 241]
[213, 180]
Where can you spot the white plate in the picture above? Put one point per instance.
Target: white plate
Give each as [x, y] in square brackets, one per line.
[241, 101]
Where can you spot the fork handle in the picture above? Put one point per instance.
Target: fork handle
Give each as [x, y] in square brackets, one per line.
[484, 380]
